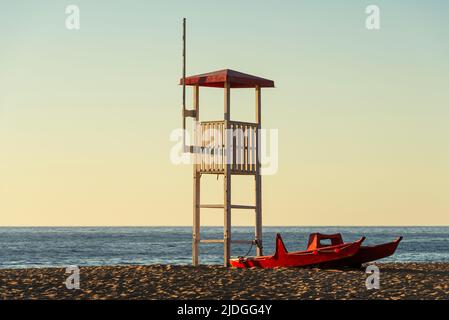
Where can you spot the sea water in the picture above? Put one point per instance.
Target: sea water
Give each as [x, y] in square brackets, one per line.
[63, 246]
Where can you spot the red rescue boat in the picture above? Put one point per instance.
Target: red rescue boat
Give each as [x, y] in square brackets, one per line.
[365, 253]
[283, 258]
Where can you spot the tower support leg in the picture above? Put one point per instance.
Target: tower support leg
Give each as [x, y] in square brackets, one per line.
[196, 182]
[227, 175]
[258, 177]
[258, 233]
[227, 219]
[196, 217]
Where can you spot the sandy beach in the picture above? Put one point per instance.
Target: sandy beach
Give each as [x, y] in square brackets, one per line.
[397, 281]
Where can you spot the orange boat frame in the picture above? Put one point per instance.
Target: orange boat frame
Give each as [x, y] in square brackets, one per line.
[309, 257]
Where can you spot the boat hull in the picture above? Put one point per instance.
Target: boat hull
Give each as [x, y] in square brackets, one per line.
[366, 254]
[282, 258]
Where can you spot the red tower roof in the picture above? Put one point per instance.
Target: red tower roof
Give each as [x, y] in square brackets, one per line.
[237, 79]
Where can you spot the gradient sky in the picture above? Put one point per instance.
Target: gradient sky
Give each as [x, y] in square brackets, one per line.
[85, 116]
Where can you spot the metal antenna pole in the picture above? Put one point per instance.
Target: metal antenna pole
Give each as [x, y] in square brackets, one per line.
[184, 84]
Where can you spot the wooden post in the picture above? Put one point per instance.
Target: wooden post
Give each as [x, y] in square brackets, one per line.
[227, 176]
[196, 183]
[258, 177]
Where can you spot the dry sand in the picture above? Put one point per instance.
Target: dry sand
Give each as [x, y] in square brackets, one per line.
[397, 281]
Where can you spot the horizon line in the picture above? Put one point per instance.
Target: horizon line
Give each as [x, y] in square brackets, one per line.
[220, 226]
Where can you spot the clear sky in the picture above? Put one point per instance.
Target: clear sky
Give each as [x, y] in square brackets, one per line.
[85, 116]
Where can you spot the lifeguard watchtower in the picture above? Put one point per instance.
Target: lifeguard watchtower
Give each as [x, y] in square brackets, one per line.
[225, 147]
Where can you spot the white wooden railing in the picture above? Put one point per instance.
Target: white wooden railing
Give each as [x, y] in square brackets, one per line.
[211, 140]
